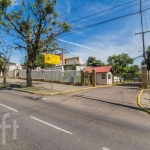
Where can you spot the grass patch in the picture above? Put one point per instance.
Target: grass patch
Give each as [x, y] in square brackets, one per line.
[21, 87]
[32, 88]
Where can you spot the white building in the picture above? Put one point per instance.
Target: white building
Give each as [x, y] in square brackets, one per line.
[68, 63]
[104, 74]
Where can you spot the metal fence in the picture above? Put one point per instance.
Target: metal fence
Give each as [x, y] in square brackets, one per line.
[72, 76]
[148, 78]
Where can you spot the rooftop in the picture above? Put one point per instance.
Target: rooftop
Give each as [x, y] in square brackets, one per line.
[101, 69]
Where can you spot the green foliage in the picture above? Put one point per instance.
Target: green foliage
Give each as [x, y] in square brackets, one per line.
[74, 67]
[132, 72]
[36, 24]
[5, 4]
[120, 63]
[39, 62]
[148, 58]
[92, 61]
[1, 64]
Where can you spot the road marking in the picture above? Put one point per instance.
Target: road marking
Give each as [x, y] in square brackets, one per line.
[52, 125]
[8, 107]
[105, 148]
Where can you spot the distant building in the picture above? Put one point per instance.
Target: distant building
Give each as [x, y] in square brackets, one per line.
[13, 69]
[67, 63]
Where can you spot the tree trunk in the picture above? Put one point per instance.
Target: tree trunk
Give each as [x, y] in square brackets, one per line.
[29, 77]
[4, 72]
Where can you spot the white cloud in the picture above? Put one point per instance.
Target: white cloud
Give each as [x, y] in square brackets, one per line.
[79, 45]
[108, 45]
[68, 6]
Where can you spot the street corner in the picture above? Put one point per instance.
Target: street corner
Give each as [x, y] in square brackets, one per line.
[143, 100]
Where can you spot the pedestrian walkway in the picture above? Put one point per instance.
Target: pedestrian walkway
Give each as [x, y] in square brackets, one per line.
[145, 99]
[45, 86]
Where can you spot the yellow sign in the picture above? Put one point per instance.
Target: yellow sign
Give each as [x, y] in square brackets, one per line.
[52, 59]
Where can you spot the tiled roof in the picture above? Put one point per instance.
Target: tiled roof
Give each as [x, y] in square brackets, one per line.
[104, 69]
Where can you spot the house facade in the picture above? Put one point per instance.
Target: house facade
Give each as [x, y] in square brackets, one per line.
[104, 74]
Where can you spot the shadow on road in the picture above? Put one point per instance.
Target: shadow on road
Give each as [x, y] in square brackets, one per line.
[100, 100]
[133, 85]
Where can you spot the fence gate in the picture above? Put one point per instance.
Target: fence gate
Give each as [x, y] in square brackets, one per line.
[87, 79]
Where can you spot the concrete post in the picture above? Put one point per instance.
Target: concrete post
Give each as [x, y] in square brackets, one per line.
[82, 78]
[144, 77]
[94, 78]
[112, 79]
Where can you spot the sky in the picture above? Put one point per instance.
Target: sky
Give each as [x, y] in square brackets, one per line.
[106, 39]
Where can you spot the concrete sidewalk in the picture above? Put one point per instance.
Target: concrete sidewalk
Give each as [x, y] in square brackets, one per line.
[145, 99]
[44, 88]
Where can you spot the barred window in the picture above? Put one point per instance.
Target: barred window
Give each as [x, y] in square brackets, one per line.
[103, 76]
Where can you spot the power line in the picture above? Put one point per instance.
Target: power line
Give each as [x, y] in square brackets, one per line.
[77, 7]
[114, 12]
[103, 11]
[99, 23]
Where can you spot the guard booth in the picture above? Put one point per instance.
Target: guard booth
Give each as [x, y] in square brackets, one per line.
[102, 75]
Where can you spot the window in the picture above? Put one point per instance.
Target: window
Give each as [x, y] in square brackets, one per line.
[109, 76]
[103, 76]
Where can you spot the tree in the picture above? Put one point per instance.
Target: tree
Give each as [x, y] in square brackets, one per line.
[148, 58]
[39, 62]
[134, 71]
[120, 63]
[74, 67]
[92, 61]
[4, 57]
[36, 24]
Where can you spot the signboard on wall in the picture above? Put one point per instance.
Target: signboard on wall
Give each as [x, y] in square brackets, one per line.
[52, 59]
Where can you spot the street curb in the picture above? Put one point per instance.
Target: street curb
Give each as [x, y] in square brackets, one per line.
[69, 91]
[139, 102]
[56, 93]
[15, 89]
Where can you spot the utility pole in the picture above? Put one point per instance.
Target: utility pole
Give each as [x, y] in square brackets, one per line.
[144, 55]
[144, 67]
[143, 32]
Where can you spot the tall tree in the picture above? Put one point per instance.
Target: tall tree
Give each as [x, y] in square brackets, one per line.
[39, 62]
[134, 71]
[36, 24]
[120, 63]
[5, 54]
[92, 61]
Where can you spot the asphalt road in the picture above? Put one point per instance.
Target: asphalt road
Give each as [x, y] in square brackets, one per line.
[97, 119]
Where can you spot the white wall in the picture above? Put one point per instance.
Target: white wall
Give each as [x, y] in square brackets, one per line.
[81, 62]
[79, 68]
[116, 79]
[76, 60]
[47, 75]
[109, 81]
[100, 81]
[72, 61]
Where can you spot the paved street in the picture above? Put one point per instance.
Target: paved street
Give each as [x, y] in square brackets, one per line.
[97, 119]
